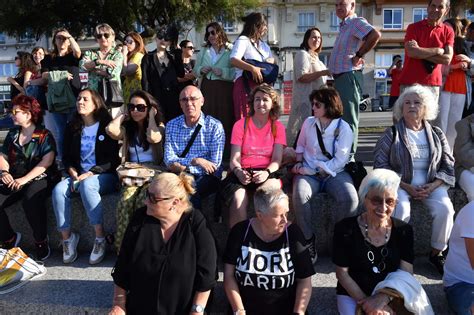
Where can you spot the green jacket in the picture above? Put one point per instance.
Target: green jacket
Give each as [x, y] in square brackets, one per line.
[60, 97]
[223, 62]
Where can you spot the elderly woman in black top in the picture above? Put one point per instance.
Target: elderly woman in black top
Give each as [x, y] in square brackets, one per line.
[167, 262]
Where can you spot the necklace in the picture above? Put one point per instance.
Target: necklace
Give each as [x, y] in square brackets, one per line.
[370, 254]
[324, 126]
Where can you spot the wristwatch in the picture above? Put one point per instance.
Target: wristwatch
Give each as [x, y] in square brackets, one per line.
[196, 308]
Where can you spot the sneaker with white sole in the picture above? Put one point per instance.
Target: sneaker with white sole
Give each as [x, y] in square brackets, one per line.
[70, 248]
[98, 252]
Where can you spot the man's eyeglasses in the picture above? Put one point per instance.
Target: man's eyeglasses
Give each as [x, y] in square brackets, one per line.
[105, 35]
[153, 199]
[378, 201]
[139, 107]
[189, 99]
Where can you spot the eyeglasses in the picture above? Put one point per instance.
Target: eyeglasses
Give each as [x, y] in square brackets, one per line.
[99, 36]
[377, 201]
[139, 107]
[189, 99]
[61, 38]
[128, 42]
[317, 104]
[213, 33]
[190, 47]
[16, 111]
[153, 199]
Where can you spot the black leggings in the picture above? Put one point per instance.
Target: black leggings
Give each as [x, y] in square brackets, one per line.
[33, 196]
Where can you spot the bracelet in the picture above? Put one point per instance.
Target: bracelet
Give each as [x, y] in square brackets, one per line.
[236, 168]
[268, 171]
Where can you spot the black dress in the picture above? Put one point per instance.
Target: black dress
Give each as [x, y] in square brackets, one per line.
[162, 278]
[161, 81]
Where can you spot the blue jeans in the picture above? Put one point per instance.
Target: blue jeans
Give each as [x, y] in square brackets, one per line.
[460, 297]
[90, 190]
[205, 186]
[60, 122]
[340, 188]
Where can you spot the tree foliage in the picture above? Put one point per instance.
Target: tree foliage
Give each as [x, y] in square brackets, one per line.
[42, 16]
[458, 6]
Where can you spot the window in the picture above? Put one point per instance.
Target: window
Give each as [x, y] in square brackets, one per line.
[335, 21]
[469, 15]
[4, 92]
[27, 36]
[306, 20]
[229, 26]
[393, 19]
[8, 70]
[384, 60]
[419, 14]
[381, 87]
[2, 38]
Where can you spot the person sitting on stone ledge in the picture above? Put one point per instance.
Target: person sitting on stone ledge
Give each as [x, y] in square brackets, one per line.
[27, 173]
[257, 144]
[320, 166]
[194, 143]
[90, 159]
[464, 155]
[420, 153]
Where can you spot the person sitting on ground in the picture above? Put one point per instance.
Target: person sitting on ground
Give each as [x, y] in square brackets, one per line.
[262, 241]
[369, 246]
[199, 155]
[27, 173]
[421, 154]
[459, 268]
[168, 259]
[256, 153]
[141, 131]
[464, 153]
[90, 159]
[319, 170]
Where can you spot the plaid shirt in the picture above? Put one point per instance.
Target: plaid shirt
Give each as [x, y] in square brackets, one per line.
[209, 143]
[352, 31]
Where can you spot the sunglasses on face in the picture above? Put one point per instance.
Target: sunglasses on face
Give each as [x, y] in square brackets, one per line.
[105, 35]
[213, 33]
[153, 199]
[317, 104]
[61, 38]
[129, 42]
[16, 111]
[190, 47]
[139, 107]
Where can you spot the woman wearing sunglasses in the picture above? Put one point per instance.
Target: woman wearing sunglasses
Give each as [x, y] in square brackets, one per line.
[133, 51]
[106, 62]
[167, 262]
[187, 51]
[90, 159]
[141, 131]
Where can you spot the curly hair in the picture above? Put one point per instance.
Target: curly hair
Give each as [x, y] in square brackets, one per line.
[427, 97]
[31, 105]
[275, 112]
[222, 39]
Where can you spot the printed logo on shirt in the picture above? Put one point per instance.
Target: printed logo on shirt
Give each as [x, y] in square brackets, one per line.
[265, 270]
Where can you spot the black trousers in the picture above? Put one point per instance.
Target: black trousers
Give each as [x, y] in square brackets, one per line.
[33, 197]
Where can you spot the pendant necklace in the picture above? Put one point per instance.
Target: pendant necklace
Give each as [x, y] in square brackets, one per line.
[370, 254]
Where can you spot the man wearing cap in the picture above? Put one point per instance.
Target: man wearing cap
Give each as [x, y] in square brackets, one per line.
[356, 38]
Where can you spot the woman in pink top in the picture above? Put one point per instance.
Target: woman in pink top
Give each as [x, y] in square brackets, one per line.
[257, 148]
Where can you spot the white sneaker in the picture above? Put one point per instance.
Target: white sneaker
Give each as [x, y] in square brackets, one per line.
[70, 248]
[98, 252]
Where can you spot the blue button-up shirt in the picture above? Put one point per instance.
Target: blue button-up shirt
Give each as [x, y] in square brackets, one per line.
[209, 143]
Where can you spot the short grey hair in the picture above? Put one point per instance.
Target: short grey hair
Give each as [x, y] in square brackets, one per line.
[266, 199]
[380, 180]
[427, 97]
[105, 26]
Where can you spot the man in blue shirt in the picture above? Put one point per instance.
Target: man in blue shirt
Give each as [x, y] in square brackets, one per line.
[204, 158]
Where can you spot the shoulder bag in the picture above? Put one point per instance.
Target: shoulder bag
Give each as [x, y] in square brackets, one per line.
[111, 92]
[269, 70]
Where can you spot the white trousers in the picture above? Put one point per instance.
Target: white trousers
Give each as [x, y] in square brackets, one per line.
[466, 182]
[451, 106]
[441, 209]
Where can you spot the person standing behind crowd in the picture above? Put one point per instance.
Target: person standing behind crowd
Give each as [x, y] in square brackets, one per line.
[187, 51]
[213, 66]
[309, 75]
[24, 62]
[133, 51]
[33, 83]
[356, 38]
[463, 155]
[395, 71]
[161, 69]
[249, 45]
[428, 43]
[469, 59]
[64, 57]
[106, 62]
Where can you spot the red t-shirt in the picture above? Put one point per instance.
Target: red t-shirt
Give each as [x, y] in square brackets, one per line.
[427, 36]
[395, 75]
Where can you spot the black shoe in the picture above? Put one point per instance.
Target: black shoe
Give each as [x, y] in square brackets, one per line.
[438, 262]
[311, 243]
[42, 250]
[13, 242]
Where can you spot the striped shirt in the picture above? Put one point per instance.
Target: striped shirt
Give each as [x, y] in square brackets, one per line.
[209, 143]
[352, 31]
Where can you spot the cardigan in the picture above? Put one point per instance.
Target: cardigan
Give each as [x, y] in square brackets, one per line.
[106, 149]
[464, 145]
[223, 62]
[394, 154]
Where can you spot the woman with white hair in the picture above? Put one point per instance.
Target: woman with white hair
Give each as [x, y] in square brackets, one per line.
[371, 245]
[267, 265]
[420, 153]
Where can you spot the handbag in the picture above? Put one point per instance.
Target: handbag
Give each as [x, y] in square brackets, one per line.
[269, 70]
[16, 268]
[357, 172]
[134, 174]
[111, 92]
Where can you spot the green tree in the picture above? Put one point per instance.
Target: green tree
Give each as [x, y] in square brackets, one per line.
[458, 6]
[42, 16]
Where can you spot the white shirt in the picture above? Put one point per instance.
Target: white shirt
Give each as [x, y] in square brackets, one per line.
[214, 55]
[88, 137]
[308, 144]
[420, 153]
[243, 48]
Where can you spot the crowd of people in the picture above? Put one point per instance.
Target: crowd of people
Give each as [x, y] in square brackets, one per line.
[184, 119]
